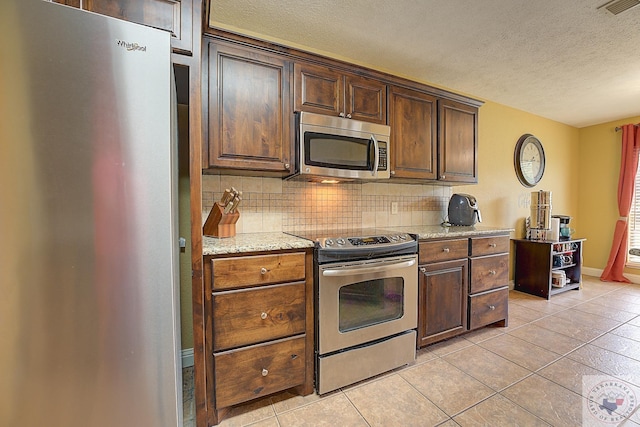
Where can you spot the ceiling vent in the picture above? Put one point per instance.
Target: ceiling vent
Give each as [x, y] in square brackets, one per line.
[618, 6]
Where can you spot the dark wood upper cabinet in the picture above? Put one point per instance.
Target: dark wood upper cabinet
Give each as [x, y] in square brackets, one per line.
[458, 139]
[169, 15]
[249, 110]
[413, 119]
[323, 90]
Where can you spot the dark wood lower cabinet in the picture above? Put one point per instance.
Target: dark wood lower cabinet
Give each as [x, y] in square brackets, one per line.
[463, 285]
[489, 307]
[258, 370]
[442, 298]
[259, 327]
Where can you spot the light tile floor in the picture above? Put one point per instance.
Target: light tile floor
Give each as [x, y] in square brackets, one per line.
[528, 374]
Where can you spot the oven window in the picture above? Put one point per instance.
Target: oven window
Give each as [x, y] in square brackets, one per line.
[335, 151]
[370, 302]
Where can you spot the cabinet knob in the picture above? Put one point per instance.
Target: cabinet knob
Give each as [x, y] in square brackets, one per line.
[263, 271]
[341, 114]
[287, 166]
[392, 172]
[492, 272]
[423, 270]
[492, 307]
[265, 372]
[348, 116]
[443, 177]
[493, 245]
[445, 250]
[263, 315]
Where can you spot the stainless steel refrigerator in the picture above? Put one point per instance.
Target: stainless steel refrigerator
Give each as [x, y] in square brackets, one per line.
[89, 332]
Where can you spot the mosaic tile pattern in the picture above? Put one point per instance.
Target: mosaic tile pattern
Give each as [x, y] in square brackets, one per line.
[271, 204]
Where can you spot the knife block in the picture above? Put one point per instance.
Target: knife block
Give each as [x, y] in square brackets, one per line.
[219, 224]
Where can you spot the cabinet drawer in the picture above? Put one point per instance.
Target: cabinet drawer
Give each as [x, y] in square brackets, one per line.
[489, 272]
[489, 245]
[443, 250]
[258, 370]
[488, 307]
[229, 273]
[249, 316]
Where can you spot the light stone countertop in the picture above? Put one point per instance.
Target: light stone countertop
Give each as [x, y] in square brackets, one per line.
[252, 242]
[257, 242]
[440, 232]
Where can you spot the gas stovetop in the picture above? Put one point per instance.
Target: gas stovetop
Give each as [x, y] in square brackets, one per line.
[361, 242]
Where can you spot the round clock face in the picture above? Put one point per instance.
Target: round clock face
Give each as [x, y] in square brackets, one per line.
[529, 160]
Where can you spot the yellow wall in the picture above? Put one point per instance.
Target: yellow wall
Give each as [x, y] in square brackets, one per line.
[599, 160]
[502, 199]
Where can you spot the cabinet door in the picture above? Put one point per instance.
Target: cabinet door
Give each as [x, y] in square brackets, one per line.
[318, 89]
[323, 90]
[412, 116]
[458, 137]
[169, 15]
[366, 99]
[249, 110]
[442, 301]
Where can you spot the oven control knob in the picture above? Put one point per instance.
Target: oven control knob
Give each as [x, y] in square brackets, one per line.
[394, 237]
[328, 242]
[340, 241]
[403, 237]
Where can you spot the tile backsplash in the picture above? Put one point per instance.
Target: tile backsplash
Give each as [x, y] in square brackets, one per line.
[271, 204]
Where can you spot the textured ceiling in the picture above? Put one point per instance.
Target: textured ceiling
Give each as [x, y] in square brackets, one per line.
[565, 60]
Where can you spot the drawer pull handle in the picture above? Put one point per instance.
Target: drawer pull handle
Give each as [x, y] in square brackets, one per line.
[492, 307]
[492, 272]
[265, 372]
[445, 250]
[263, 315]
[493, 245]
[263, 271]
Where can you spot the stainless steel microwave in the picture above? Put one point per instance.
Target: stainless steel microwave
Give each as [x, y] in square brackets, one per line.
[339, 148]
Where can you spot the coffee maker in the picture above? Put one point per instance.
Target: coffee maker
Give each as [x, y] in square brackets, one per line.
[565, 230]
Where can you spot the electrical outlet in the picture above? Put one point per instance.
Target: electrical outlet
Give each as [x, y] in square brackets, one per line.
[394, 208]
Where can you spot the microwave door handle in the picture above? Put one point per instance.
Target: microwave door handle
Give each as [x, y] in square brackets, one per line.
[366, 270]
[376, 156]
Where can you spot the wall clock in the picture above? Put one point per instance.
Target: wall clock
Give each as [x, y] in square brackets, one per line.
[529, 160]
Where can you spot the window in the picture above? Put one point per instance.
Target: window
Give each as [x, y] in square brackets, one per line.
[634, 224]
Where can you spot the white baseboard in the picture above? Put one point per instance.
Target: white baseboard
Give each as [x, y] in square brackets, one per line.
[597, 272]
[187, 357]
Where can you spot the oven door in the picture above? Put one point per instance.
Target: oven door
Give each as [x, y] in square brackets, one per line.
[367, 300]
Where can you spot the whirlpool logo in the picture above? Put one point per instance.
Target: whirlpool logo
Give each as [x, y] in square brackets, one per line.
[131, 46]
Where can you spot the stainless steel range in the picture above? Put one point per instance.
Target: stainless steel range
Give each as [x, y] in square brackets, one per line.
[366, 284]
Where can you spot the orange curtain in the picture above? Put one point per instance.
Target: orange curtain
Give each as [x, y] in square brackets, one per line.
[628, 168]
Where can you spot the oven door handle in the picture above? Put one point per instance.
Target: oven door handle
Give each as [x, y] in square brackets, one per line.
[366, 270]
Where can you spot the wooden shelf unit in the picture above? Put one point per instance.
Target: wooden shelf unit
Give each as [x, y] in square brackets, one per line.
[536, 260]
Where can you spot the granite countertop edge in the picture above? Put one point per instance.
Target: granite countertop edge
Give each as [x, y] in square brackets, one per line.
[273, 241]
